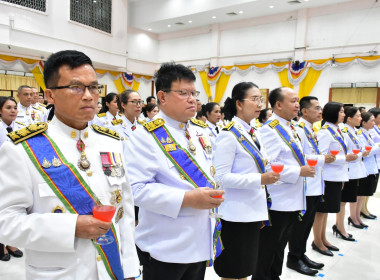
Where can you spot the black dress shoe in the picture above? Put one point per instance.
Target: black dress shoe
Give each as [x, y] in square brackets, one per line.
[337, 232]
[16, 254]
[370, 216]
[373, 216]
[350, 221]
[311, 263]
[301, 267]
[326, 253]
[363, 225]
[4, 257]
[332, 248]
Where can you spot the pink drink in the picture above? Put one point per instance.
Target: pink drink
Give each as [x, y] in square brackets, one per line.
[355, 151]
[312, 162]
[334, 152]
[368, 148]
[277, 168]
[104, 212]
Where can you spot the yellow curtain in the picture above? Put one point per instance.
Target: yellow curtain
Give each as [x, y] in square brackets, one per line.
[12, 82]
[119, 85]
[221, 86]
[206, 86]
[308, 82]
[136, 86]
[283, 76]
[354, 95]
[39, 76]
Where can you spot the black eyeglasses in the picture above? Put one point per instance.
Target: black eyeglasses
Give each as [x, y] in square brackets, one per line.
[80, 89]
[184, 93]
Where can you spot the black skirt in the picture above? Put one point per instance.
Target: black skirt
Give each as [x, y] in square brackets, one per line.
[241, 244]
[350, 190]
[367, 185]
[331, 198]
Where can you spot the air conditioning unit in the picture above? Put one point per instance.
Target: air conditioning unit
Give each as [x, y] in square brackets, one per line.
[367, 85]
[342, 85]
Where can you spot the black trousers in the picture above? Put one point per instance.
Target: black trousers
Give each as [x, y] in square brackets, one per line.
[272, 244]
[156, 270]
[301, 230]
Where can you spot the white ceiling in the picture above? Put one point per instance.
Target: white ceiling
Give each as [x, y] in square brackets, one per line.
[155, 15]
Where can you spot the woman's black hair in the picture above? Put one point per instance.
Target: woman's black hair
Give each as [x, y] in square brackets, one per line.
[238, 93]
[4, 99]
[149, 108]
[350, 112]
[263, 114]
[123, 98]
[365, 117]
[330, 112]
[207, 108]
[375, 111]
[108, 99]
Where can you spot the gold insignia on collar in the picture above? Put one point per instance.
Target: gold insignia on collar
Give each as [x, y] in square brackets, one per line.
[73, 134]
[58, 209]
[117, 122]
[345, 129]
[86, 134]
[181, 125]
[229, 126]
[101, 115]
[301, 124]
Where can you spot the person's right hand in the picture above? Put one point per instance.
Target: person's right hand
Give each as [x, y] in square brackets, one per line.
[202, 198]
[269, 178]
[329, 158]
[351, 157]
[307, 171]
[88, 227]
[365, 153]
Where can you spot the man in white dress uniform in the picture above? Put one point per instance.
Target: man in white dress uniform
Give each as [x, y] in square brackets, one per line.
[52, 175]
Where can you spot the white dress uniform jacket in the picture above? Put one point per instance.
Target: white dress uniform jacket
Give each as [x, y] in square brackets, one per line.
[314, 185]
[27, 201]
[105, 119]
[290, 194]
[213, 133]
[24, 114]
[238, 175]
[42, 109]
[165, 230]
[369, 161]
[375, 134]
[3, 130]
[337, 171]
[356, 169]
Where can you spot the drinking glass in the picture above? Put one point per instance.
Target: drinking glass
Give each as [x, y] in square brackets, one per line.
[334, 148]
[104, 213]
[277, 166]
[356, 149]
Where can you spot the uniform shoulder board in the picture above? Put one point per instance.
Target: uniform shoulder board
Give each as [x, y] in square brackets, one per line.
[198, 122]
[27, 132]
[360, 131]
[20, 123]
[301, 124]
[41, 104]
[273, 123]
[117, 122]
[325, 126]
[345, 129]
[106, 131]
[154, 124]
[101, 115]
[141, 122]
[120, 114]
[293, 122]
[229, 126]
[37, 108]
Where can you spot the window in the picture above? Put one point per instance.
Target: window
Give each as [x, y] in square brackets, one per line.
[39, 5]
[94, 13]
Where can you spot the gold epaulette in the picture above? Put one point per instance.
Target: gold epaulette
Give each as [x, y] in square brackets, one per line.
[120, 114]
[198, 122]
[41, 104]
[106, 131]
[360, 131]
[273, 123]
[37, 108]
[20, 123]
[325, 126]
[152, 125]
[24, 133]
[301, 124]
[101, 115]
[229, 126]
[258, 124]
[293, 122]
[345, 129]
[141, 122]
[116, 122]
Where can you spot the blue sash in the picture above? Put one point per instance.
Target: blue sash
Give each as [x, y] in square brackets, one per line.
[311, 139]
[367, 139]
[251, 149]
[353, 139]
[338, 138]
[189, 168]
[377, 129]
[73, 191]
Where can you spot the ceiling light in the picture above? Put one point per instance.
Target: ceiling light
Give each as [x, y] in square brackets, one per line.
[271, 6]
[214, 17]
[306, 0]
[190, 21]
[149, 29]
[240, 12]
[169, 25]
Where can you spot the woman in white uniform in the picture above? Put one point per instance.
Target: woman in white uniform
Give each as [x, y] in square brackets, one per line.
[212, 112]
[356, 169]
[109, 111]
[240, 170]
[150, 111]
[8, 113]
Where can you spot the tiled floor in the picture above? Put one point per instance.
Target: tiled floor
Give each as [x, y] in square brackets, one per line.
[356, 260]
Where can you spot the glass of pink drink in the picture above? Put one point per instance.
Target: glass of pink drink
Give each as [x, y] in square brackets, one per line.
[312, 160]
[356, 149]
[104, 213]
[334, 148]
[277, 166]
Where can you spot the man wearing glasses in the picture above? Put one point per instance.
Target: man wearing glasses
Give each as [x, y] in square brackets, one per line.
[67, 169]
[171, 174]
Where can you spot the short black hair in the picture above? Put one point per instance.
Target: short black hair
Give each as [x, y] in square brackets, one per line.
[349, 112]
[108, 99]
[365, 117]
[263, 114]
[238, 93]
[170, 72]
[331, 111]
[208, 108]
[4, 99]
[305, 102]
[71, 58]
[375, 111]
[361, 108]
[149, 98]
[274, 96]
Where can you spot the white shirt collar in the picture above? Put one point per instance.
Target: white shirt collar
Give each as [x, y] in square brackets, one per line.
[67, 130]
[238, 120]
[331, 125]
[127, 122]
[172, 122]
[281, 120]
[210, 125]
[351, 129]
[308, 125]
